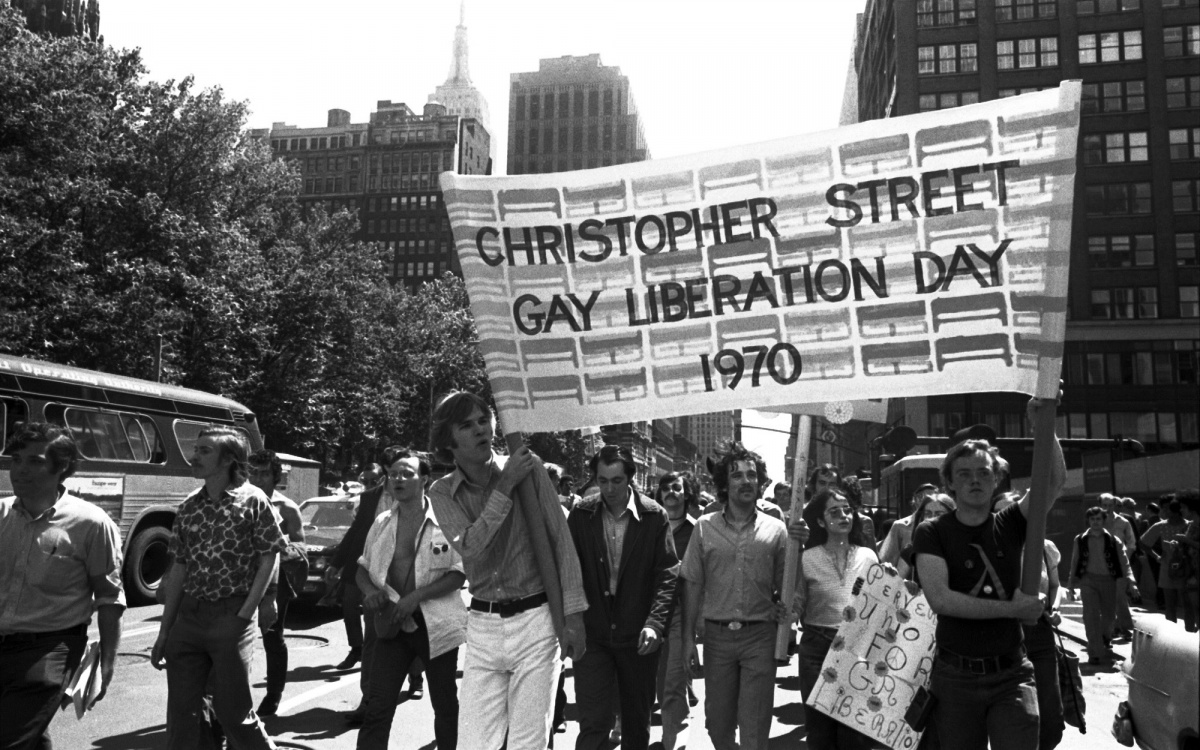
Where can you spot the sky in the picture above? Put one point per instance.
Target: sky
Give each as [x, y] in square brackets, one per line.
[706, 74]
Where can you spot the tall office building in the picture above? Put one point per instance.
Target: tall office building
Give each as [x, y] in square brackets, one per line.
[1133, 327]
[387, 170]
[572, 113]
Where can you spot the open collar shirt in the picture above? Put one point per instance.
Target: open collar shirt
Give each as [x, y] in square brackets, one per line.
[614, 536]
[489, 531]
[220, 540]
[57, 567]
[740, 566]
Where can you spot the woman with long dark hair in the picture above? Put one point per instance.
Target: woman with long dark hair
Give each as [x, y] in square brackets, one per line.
[931, 507]
[824, 587]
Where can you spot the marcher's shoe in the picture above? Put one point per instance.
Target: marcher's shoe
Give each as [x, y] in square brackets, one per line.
[416, 689]
[355, 718]
[615, 735]
[269, 705]
[350, 660]
[1095, 660]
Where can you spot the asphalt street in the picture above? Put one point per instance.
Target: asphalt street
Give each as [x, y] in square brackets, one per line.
[132, 716]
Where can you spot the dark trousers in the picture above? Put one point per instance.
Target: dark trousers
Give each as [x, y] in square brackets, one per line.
[276, 650]
[600, 668]
[393, 657]
[824, 732]
[1039, 643]
[209, 648]
[352, 612]
[33, 676]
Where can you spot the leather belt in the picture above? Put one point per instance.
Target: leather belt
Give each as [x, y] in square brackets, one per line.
[982, 665]
[735, 624]
[80, 629]
[510, 607]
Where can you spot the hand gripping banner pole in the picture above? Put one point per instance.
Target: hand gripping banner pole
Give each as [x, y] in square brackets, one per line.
[792, 563]
[539, 534]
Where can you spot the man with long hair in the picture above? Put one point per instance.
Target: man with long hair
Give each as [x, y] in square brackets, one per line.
[734, 565]
[225, 544]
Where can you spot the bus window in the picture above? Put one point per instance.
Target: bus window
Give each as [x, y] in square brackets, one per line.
[99, 434]
[12, 411]
[143, 439]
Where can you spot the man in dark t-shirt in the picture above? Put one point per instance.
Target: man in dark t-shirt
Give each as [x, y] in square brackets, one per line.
[969, 564]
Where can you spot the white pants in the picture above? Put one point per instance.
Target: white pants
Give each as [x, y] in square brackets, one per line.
[510, 677]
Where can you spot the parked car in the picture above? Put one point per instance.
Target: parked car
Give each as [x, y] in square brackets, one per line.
[1162, 711]
[326, 520]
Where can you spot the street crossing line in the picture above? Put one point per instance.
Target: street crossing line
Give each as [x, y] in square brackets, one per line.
[317, 692]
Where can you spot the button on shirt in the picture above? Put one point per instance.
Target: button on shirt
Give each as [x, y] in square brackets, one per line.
[739, 565]
[219, 541]
[489, 531]
[55, 569]
[614, 537]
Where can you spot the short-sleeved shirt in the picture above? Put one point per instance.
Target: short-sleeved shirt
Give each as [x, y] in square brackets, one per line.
[740, 566]
[55, 569]
[983, 561]
[821, 593]
[219, 541]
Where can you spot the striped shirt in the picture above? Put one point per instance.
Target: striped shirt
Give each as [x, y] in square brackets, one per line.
[489, 531]
[822, 594]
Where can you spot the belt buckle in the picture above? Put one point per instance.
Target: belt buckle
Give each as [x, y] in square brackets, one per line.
[977, 666]
[735, 625]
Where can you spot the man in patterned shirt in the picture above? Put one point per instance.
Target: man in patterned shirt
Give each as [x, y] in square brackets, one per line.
[225, 544]
[512, 661]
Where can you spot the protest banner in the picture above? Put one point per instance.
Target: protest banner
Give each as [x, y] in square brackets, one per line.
[882, 654]
[898, 257]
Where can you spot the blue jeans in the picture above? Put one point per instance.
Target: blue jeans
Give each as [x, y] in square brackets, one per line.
[33, 675]
[973, 709]
[209, 640]
[824, 731]
[739, 684]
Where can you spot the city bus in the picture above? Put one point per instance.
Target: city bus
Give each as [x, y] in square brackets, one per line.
[134, 437]
[900, 480]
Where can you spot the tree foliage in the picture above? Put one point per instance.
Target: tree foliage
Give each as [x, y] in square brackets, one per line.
[134, 212]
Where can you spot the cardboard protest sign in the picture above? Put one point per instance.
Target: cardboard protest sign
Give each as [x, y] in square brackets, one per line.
[897, 257]
[882, 654]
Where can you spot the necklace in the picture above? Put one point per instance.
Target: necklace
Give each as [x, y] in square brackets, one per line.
[839, 557]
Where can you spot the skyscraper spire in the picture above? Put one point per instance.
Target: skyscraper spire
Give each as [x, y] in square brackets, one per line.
[457, 94]
[459, 73]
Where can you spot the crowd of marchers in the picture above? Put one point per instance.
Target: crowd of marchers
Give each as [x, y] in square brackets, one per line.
[637, 591]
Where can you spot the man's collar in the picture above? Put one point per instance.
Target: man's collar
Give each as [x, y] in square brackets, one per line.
[631, 506]
[50, 510]
[458, 476]
[725, 513]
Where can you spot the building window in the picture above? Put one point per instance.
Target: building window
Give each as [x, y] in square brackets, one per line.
[1092, 7]
[1023, 10]
[1185, 248]
[947, 99]
[1125, 303]
[535, 108]
[1185, 143]
[1178, 3]
[549, 107]
[1183, 92]
[1027, 53]
[533, 140]
[1185, 195]
[1112, 46]
[945, 12]
[1005, 93]
[608, 102]
[944, 59]
[1116, 148]
[1179, 41]
[1189, 301]
[1121, 251]
[1114, 96]
[564, 108]
[1118, 198]
[593, 103]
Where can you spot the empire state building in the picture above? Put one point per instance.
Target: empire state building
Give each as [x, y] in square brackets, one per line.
[457, 94]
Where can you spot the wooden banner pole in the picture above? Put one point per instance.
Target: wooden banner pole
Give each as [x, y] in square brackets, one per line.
[792, 562]
[1039, 495]
[539, 534]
